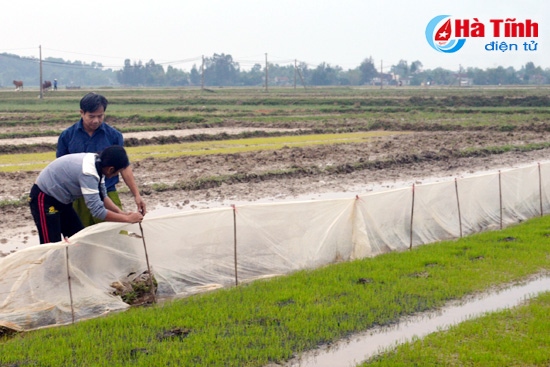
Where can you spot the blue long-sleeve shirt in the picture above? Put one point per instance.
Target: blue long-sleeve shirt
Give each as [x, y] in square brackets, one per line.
[72, 176]
[75, 139]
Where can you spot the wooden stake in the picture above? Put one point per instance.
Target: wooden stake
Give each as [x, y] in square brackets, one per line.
[69, 281]
[458, 205]
[500, 196]
[235, 242]
[412, 216]
[151, 284]
[540, 192]
[266, 77]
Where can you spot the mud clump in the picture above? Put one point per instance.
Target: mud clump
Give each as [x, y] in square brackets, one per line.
[135, 289]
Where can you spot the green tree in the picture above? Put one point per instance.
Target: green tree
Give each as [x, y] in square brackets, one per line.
[130, 73]
[195, 76]
[532, 74]
[416, 67]
[440, 76]
[254, 76]
[176, 77]
[221, 70]
[154, 74]
[500, 76]
[368, 71]
[401, 69]
[354, 76]
[324, 74]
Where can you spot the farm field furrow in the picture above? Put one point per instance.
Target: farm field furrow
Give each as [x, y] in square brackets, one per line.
[420, 134]
[316, 144]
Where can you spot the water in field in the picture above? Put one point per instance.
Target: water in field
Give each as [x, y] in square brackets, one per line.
[363, 346]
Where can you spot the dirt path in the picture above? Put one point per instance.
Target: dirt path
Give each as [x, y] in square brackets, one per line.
[404, 159]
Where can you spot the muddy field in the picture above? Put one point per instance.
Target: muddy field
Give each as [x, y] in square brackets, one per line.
[310, 173]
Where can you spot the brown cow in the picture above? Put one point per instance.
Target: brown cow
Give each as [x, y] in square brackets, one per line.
[46, 84]
[18, 84]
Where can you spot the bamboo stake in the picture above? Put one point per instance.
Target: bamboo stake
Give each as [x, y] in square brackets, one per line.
[151, 284]
[458, 205]
[235, 242]
[69, 281]
[540, 191]
[412, 216]
[500, 196]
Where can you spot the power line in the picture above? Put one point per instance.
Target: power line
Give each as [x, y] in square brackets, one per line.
[84, 54]
[97, 65]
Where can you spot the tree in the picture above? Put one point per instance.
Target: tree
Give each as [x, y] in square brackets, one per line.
[154, 74]
[368, 71]
[500, 75]
[532, 74]
[440, 76]
[130, 74]
[176, 77]
[401, 69]
[416, 67]
[353, 76]
[324, 74]
[253, 77]
[195, 76]
[221, 70]
[137, 74]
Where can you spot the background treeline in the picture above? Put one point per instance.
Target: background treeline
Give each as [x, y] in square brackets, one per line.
[222, 70]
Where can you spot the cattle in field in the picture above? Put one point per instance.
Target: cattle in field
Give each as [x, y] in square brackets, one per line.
[46, 85]
[18, 84]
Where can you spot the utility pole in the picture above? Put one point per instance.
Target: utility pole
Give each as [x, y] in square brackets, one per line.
[40, 55]
[266, 72]
[295, 68]
[381, 74]
[202, 73]
[302, 78]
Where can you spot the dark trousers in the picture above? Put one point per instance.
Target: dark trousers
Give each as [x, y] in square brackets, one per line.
[52, 218]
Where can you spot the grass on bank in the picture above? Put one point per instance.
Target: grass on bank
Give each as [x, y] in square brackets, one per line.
[272, 320]
[519, 336]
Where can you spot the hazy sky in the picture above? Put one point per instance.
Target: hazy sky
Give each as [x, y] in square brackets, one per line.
[344, 32]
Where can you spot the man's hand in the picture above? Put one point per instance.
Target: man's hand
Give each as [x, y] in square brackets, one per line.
[134, 217]
[141, 207]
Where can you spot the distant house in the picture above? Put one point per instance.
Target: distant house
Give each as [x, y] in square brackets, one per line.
[383, 79]
[281, 81]
[462, 80]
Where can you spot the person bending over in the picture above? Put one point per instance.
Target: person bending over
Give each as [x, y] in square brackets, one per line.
[73, 176]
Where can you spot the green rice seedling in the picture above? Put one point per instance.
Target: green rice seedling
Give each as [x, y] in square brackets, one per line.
[250, 144]
[271, 320]
[37, 161]
[25, 162]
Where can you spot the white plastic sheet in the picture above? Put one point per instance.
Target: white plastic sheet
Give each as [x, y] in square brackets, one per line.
[190, 252]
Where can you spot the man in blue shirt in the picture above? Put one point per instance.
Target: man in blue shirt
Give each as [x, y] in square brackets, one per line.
[92, 135]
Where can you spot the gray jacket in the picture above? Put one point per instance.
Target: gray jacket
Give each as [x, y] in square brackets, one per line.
[72, 176]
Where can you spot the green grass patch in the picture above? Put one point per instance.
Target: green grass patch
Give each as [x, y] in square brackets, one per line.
[514, 337]
[269, 321]
[233, 146]
[37, 161]
[25, 162]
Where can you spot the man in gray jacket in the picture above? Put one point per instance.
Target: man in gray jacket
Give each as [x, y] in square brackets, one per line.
[70, 177]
